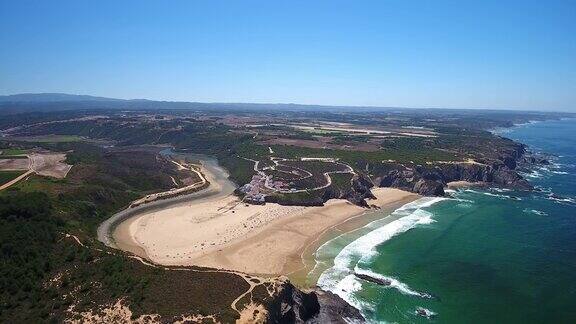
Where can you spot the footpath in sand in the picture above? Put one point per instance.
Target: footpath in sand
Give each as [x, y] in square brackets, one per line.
[220, 231]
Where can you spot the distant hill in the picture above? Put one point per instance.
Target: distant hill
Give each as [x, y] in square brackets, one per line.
[51, 102]
[52, 97]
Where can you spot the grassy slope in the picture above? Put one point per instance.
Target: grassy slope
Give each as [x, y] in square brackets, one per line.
[12, 151]
[6, 176]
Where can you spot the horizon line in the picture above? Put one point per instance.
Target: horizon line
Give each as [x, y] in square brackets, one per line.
[104, 98]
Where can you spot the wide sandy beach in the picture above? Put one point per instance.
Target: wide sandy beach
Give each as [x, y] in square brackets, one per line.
[223, 232]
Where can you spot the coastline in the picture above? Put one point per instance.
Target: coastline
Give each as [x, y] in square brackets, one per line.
[221, 232]
[310, 270]
[465, 244]
[213, 228]
[285, 246]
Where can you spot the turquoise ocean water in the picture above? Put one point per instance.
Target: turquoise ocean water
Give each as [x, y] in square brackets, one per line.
[484, 256]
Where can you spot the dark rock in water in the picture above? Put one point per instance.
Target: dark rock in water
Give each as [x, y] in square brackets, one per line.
[292, 305]
[421, 311]
[535, 159]
[378, 281]
[544, 162]
[556, 197]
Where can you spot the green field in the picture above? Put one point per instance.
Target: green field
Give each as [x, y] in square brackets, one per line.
[6, 176]
[54, 139]
[7, 157]
[11, 151]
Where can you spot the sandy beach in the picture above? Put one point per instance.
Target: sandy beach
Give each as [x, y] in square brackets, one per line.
[223, 232]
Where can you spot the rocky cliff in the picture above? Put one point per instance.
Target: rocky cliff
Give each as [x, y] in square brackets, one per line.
[292, 305]
[357, 193]
[430, 180]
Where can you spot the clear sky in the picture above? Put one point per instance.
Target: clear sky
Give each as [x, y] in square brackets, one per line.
[483, 53]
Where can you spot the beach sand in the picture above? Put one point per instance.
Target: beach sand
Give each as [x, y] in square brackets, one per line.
[223, 232]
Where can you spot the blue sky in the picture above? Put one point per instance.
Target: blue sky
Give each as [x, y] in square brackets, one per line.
[467, 54]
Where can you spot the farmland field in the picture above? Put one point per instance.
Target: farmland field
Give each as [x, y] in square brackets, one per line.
[12, 151]
[6, 176]
[49, 139]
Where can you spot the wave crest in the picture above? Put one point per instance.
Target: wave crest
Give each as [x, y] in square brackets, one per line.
[340, 277]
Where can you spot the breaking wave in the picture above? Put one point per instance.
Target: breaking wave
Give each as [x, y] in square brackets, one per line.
[498, 195]
[535, 211]
[340, 278]
[394, 283]
[560, 199]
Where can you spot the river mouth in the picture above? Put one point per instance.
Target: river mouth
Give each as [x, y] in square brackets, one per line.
[112, 231]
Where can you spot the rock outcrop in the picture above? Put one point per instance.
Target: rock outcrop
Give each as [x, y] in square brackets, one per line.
[357, 193]
[293, 305]
[430, 180]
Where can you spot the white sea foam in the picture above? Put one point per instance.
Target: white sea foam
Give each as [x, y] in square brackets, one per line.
[340, 278]
[544, 189]
[394, 283]
[346, 288]
[500, 196]
[500, 189]
[421, 311]
[570, 200]
[535, 211]
[534, 174]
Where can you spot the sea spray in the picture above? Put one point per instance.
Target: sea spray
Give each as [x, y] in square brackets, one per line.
[394, 283]
[340, 278]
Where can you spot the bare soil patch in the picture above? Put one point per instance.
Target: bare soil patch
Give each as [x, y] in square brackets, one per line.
[14, 164]
[50, 164]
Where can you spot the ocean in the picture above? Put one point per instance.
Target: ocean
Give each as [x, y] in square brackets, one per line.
[482, 256]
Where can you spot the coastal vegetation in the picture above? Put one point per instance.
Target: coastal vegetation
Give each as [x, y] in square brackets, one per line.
[7, 176]
[53, 267]
[51, 261]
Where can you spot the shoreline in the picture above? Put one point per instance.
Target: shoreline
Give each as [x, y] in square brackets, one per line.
[213, 228]
[282, 247]
[303, 277]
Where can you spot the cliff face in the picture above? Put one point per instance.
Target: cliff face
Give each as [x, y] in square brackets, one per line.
[356, 194]
[430, 180]
[292, 305]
